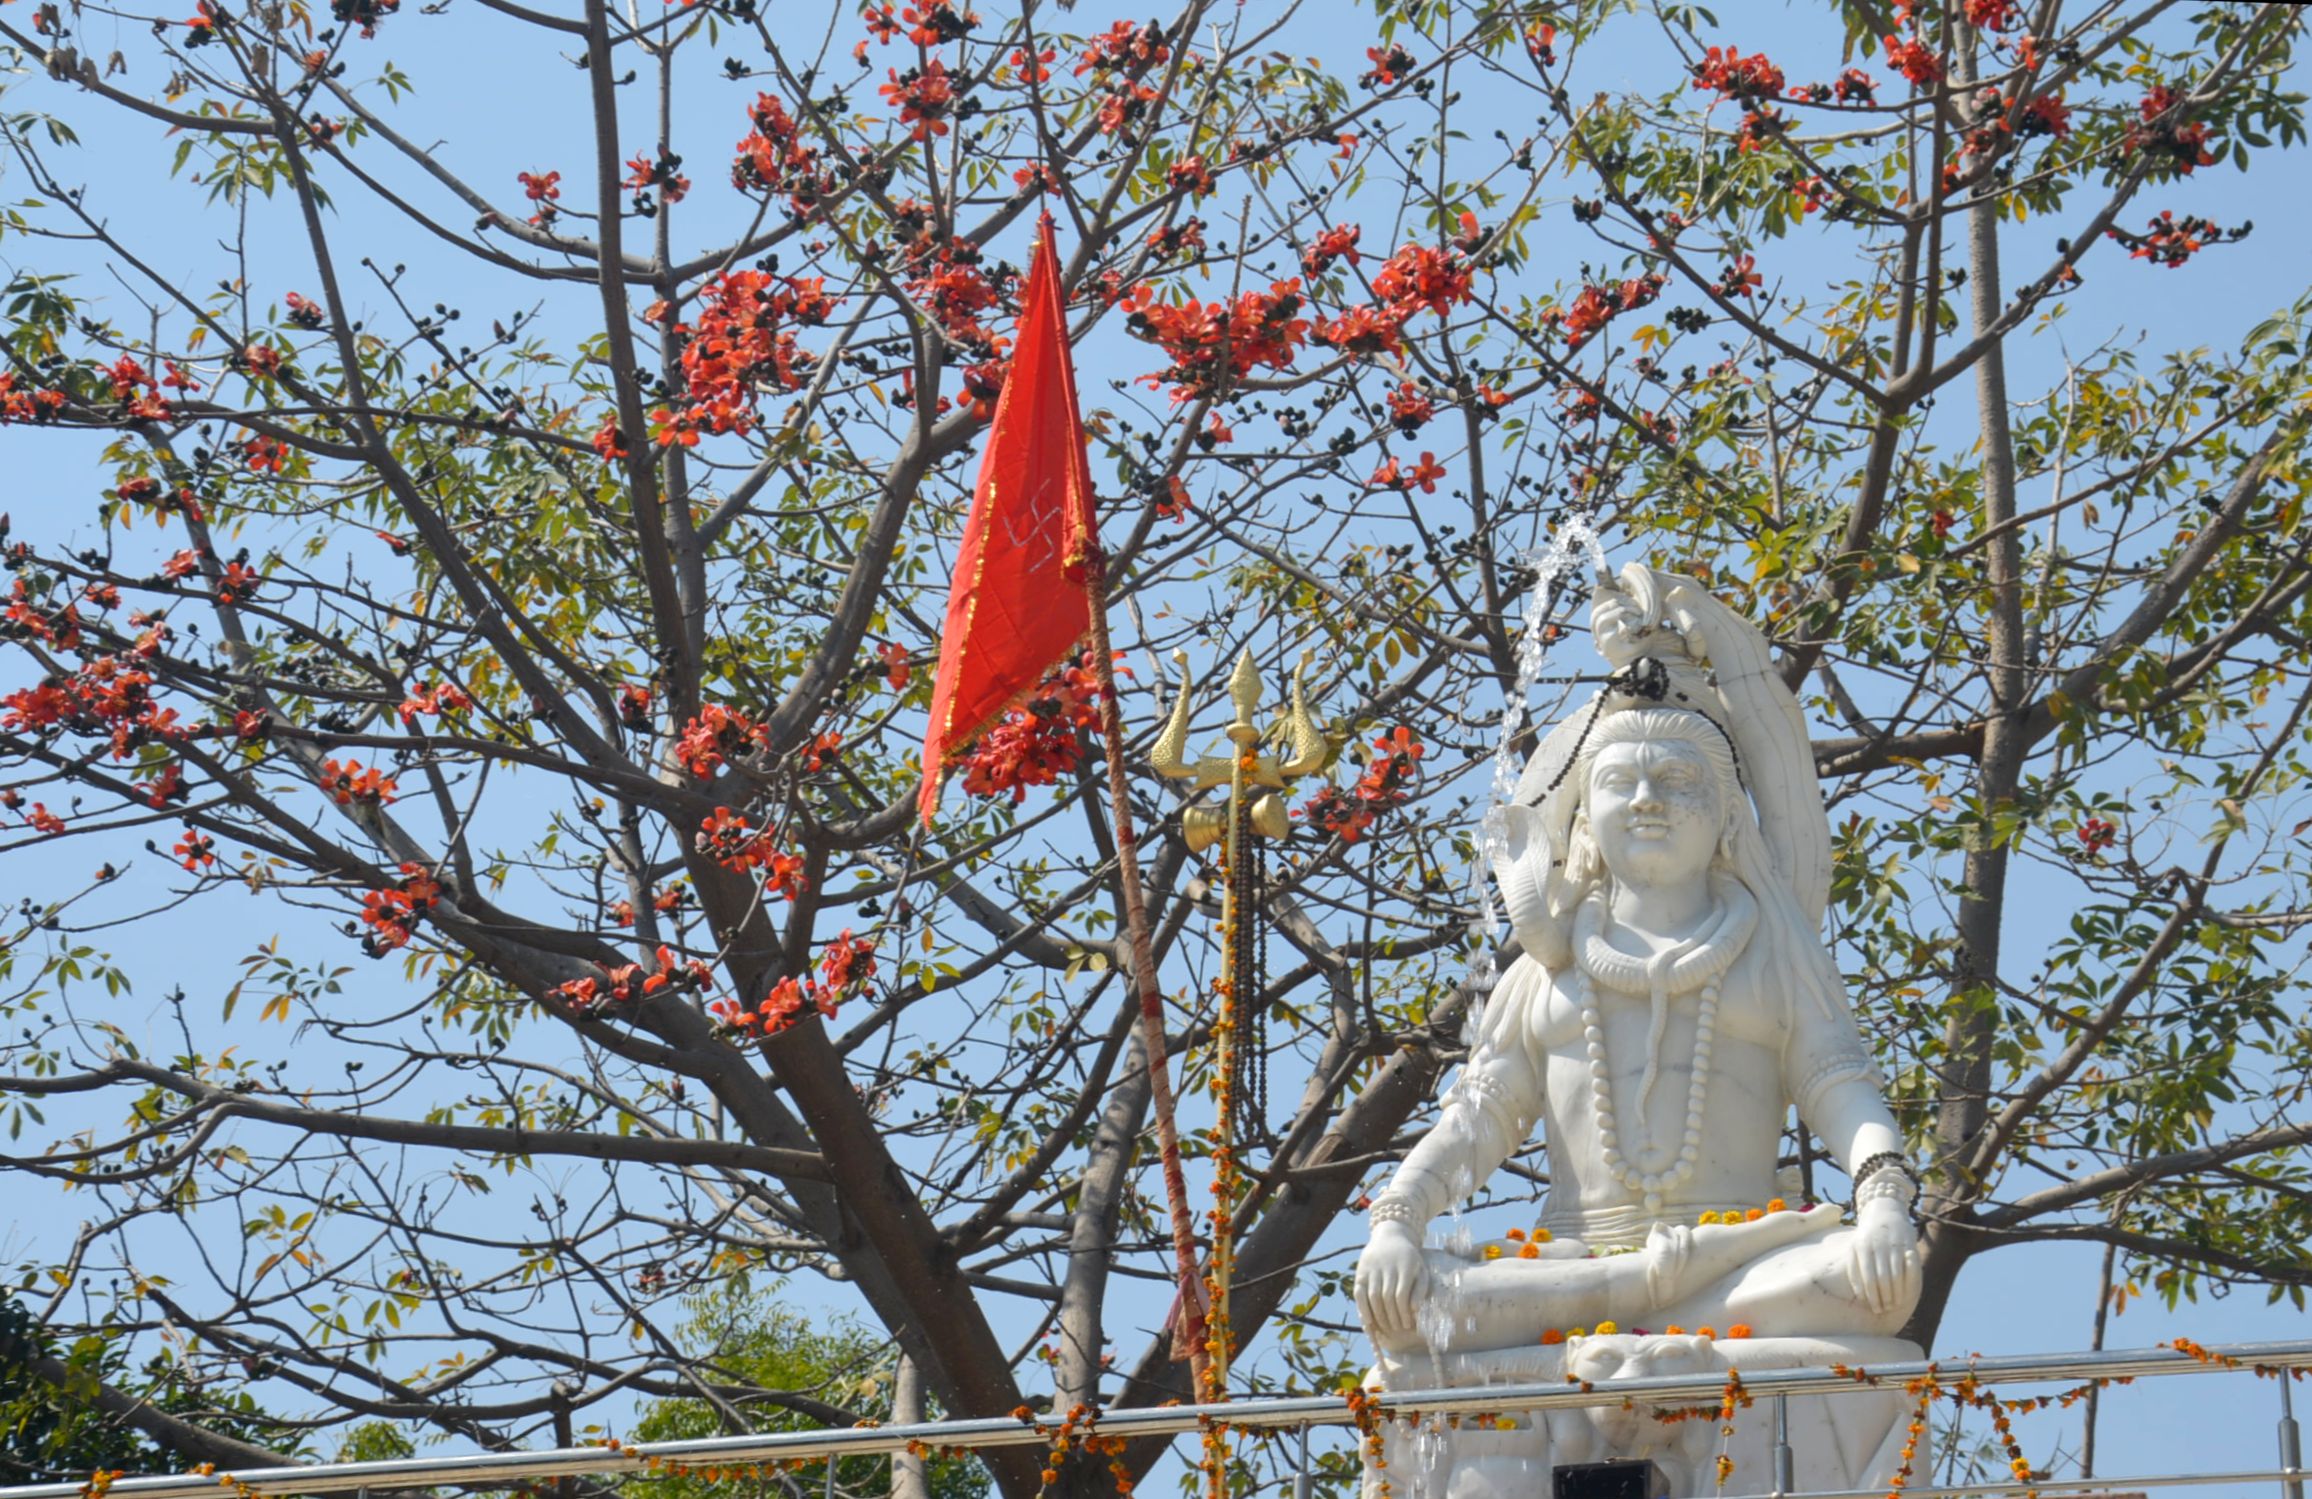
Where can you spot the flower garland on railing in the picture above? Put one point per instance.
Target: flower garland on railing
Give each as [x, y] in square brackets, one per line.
[1926, 1389]
[758, 1471]
[1734, 1398]
[1075, 1430]
[1365, 1413]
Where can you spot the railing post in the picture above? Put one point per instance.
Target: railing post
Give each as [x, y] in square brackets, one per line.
[2291, 1442]
[1783, 1481]
[1301, 1482]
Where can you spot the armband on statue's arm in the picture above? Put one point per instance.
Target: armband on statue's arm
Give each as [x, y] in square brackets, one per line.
[1835, 1071]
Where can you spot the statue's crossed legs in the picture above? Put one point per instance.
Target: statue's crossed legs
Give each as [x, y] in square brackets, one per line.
[1783, 1274]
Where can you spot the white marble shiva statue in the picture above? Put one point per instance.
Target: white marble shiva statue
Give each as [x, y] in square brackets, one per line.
[1666, 865]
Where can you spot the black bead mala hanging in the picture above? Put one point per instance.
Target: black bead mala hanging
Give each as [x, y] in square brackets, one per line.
[1247, 1082]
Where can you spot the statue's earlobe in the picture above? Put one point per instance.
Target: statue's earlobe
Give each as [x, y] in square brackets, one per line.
[1581, 855]
[1520, 826]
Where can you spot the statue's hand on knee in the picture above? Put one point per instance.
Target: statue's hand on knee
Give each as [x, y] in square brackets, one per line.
[1392, 1280]
[1883, 1267]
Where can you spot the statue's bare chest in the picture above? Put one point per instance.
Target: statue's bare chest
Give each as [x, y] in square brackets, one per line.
[1746, 1013]
[1631, 1090]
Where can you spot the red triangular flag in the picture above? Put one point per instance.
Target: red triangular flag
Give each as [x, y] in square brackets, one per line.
[1020, 601]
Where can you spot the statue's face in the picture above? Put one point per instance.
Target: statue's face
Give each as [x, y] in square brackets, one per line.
[1654, 810]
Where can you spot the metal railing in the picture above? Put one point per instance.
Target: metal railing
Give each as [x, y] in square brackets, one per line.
[1272, 1414]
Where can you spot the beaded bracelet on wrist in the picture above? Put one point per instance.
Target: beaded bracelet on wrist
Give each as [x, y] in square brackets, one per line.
[1885, 1160]
[1391, 1210]
[1888, 1184]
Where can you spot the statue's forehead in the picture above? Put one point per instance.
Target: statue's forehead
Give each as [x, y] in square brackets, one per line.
[1649, 753]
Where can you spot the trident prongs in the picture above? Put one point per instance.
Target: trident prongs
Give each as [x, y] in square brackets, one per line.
[1170, 756]
[1306, 744]
[1301, 748]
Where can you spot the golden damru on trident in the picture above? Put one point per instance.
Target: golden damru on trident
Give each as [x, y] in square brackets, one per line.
[1254, 810]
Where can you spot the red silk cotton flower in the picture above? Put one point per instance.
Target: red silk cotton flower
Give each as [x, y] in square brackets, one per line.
[744, 342]
[1915, 61]
[1213, 344]
[392, 915]
[714, 736]
[1418, 277]
[195, 850]
[628, 982]
[1333, 244]
[1124, 47]
[2163, 133]
[1733, 76]
[1036, 744]
[925, 97]
[846, 968]
[1424, 474]
[1386, 783]
[1600, 304]
[732, 841]
[350, 783]
[432, 702]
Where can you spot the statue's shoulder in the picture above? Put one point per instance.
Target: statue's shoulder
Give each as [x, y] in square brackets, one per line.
[1536, 1004]
[1758, 1006]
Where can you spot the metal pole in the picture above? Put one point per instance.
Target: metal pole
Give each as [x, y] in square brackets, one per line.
[1243, 739]
[1783, 1479]
[1301, 1482]
[2291, 1444]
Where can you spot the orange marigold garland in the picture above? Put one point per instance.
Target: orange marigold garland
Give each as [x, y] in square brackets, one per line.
[1077, 1430]
[2202, 1354]
[1227, 1178]
[1926, 1388]
[1730, 1400]
[1366, 1414]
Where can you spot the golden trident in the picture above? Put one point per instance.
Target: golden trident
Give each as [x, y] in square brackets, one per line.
[1305, 744]
[1254, 810]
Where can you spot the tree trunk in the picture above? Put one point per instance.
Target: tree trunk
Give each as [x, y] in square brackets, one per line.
[910, 1476]
[1963, 1089]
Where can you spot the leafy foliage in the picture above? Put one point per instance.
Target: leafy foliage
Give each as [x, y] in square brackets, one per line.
[51, 1427]
[747, 1339]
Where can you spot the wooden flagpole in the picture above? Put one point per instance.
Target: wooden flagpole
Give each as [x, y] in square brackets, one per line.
[1191, 1319]
[1190, 1322]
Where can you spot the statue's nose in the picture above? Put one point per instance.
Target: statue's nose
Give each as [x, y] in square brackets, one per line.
[1647, 796]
